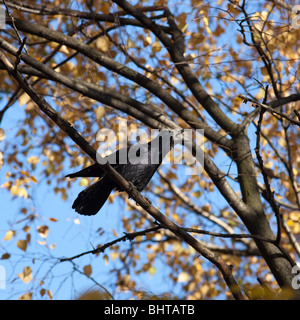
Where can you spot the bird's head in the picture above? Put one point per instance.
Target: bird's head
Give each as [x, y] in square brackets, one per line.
[164, 142]
[172, 136]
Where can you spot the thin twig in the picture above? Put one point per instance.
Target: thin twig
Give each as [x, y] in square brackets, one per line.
[13, 24]
[18, 58]
[131, 236]
[127, 236]
[68, 129]
[270, 109]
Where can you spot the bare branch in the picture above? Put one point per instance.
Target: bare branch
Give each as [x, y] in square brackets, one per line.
[191, 119]
[270, 109]
[225, 269]
[127, 236]
[186, 200]
[182, 66]
[116, 17]
[269, 193]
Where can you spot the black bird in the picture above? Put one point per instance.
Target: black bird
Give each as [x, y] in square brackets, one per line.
[136, 164]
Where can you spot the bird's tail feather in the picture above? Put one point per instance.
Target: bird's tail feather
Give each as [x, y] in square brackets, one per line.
[91, 199]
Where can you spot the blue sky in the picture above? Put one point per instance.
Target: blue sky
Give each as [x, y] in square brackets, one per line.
[69, 236]
[71, 233]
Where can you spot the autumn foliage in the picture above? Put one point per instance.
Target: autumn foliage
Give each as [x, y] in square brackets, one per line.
[230, 68]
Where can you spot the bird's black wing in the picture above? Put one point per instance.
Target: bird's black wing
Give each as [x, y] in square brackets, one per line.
[92, 171]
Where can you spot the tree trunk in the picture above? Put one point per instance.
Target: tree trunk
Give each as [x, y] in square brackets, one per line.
[257, 222]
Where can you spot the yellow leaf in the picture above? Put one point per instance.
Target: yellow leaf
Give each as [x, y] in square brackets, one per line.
[42, 292]
[6, 184]
[22, 244]
[26, 229]
[18, 191]
[76, 221]
[207, 207]
[115, 233]
[5, 256]
[156, 47]
[264, 71]
[100, 112]
[197, 194]
[176, 217]
[26, 296]
[84, 182]
[25, 173]
[147, 41]
[70, 66]
[9, 234]
[130, 43]
[64, 49]
[43, 231]
[290, 223]
[294, 215]
[24, 99]
[33, 179]
[204, 289]
[1, 163]
[202, 184]
[94, 295]
[126, 279]
[205, 20]
[87, 270]
[219, 30]
[2, 134]
[196, 3]
[183, 28]
[14, 190]
[53, 219]
[30, 106]
[174, 80]
[152, 270]
[260, 95]
[102, 44]
[26, 275]
[64, 196]
[183, 277]
[114, 255]
[49, 293]
[33, 160]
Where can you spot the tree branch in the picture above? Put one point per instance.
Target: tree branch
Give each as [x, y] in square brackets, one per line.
[269, 194]
[181, 64]
[95, 55]
[186, 200]
[122, 102]
[271, 109]
[127, 236]
[116, 17]
[225, 269]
